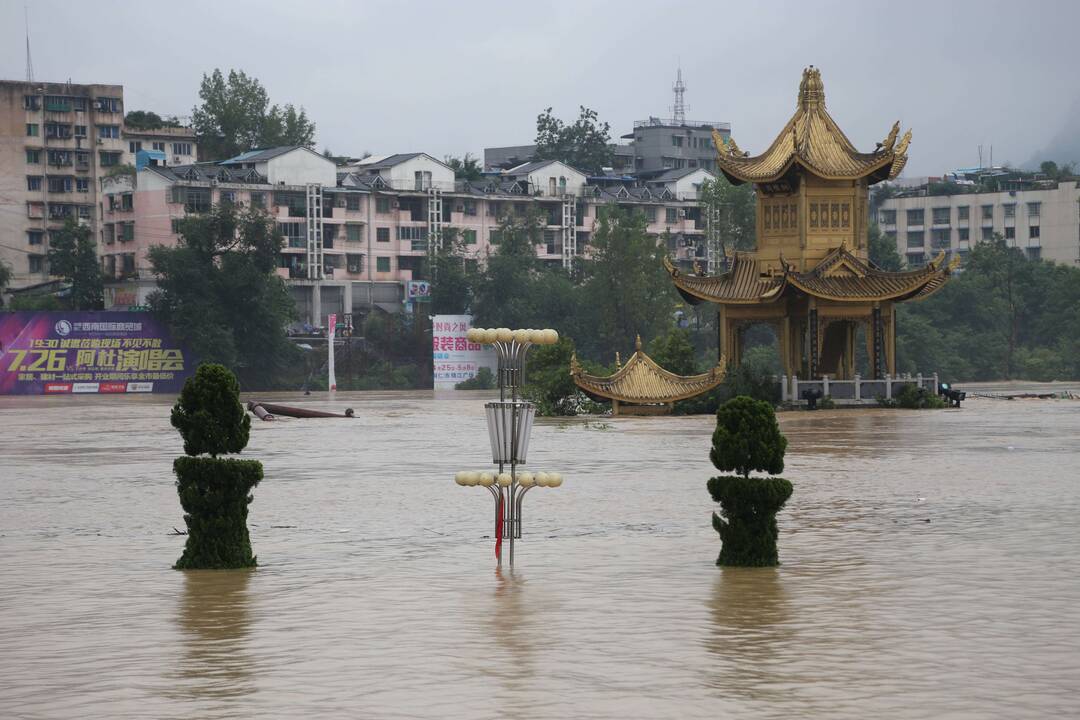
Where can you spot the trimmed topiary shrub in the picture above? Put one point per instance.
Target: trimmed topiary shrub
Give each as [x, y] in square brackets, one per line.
[214, 492]
[747, 438]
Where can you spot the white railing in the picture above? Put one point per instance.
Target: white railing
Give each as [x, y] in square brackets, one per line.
[856, 391]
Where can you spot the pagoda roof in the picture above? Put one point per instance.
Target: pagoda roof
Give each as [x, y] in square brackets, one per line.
[641, 381]
[840, 276]
[813, 140]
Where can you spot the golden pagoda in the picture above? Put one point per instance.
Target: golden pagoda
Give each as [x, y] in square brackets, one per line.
[641, 387]
[810, 276]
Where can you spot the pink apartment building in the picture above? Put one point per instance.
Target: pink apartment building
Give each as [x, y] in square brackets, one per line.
[356, 234]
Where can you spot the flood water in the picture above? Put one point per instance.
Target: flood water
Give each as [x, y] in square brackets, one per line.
[930, 570]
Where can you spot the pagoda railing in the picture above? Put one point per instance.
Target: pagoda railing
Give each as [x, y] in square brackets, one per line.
[856, 391]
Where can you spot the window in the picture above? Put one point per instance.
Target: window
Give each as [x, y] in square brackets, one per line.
[59, 158]
[352, 202]
[294, 234]
[197, 200]
[1010, 232]
[57, 130]
[382, 264]
[888, 217]
[60, 184]
[1034, 253]
[127, 264]
[258, 199]
[128, 232]
[470, 207]
[495, 237]
[492, 208]
[670, 216]
[412, 233]
[33, 157]
[109, 159]
[35, 237]
[31, 102]
[354, 263]
[78, 104]
[988, 233]
[159, 146]
[963, 234]
[109, 104]
[80, 131]
[987, 212]
[82, 185]
[916, 259]
[181, 148]
[37, 263]
[916, 238]
[942, 215]
[33, 182]
[329, 235]
[676, 141]
[108, 131]
[422, 179]
[939, 238]
[1010, 210]
[31, 129]
[650, 213]
[352, 233]
[963, 213]
[174, 225]
[382, 234]
[916, 217]
[469, 236]
[227, 197]
[82, 160]
[1033, 231]
[134, 146]
[382, 205]
[1033, 209]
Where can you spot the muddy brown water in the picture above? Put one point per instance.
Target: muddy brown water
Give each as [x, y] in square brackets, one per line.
[930, 569]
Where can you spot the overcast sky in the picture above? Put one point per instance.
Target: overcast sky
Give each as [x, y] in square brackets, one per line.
[455, 77]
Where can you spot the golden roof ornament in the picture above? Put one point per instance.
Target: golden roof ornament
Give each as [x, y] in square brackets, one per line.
[618, 361]
[811, 89]
[637, 344]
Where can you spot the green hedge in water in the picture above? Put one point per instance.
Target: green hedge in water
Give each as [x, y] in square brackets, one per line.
[214, 493]
[747, 438]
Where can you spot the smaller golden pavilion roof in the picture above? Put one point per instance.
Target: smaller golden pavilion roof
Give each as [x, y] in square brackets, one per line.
[813, 140]
[641, 381]
[840, 276]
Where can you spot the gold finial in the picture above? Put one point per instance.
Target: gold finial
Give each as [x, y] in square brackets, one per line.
[618, 361]
[734, 149]
[637, 343]
[890, 140]
[575, 368]
[811, 89]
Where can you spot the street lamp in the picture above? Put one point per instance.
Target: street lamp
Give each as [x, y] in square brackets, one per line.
[509, 423]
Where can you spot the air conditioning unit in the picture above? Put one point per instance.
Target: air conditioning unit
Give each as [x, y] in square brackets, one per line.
[395, 204]
[177, 159]
[213, 182]
[682, 214]
[340, 202]
[100, 141]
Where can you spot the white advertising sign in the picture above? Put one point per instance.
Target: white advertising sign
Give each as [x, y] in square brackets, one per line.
[455, 359]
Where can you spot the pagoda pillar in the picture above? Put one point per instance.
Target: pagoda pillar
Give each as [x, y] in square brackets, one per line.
[784, 340]
[890, 336]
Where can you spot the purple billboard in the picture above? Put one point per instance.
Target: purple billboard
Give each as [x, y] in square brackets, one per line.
[45, 353]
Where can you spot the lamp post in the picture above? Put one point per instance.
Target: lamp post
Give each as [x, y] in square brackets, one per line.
[509, 424]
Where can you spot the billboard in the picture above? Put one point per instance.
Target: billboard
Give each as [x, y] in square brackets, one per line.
[46, 353]
[418, 291]
[455, 359]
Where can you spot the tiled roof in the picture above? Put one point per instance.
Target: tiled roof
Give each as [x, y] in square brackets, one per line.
[840, 277]
[642, 381]
[260, 155]
[814, 140]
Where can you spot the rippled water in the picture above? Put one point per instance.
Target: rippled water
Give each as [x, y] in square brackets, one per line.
[930, 570]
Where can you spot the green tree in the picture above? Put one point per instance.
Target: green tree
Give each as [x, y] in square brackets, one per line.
[585, 145]
[883, 252]
[747, 438]
[214, 492]
[733, 212]
[674, 352]
[466, 168]
[507, 293]
[220, 294]
[626, 291]
[148, 120]
[236, 116]
[451, 279]
[73, 257]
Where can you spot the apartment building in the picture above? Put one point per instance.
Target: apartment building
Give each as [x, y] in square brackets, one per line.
[1044, 223]
[57, 141]
[357, 234]
[173, 145]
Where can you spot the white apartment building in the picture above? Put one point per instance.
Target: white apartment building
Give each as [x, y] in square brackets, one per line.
[1043, 223]
[356, 235]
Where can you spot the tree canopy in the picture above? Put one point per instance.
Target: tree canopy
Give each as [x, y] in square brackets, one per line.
[5, 279]
[585, 145]
[747, 438]
[208, 413]
[734, 212]
[465, 168]
[73, 257]
[148, 120]
[219, 293]
[236, 116]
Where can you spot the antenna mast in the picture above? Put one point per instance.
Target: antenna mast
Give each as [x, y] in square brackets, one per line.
[29, 60]
[679, 109]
